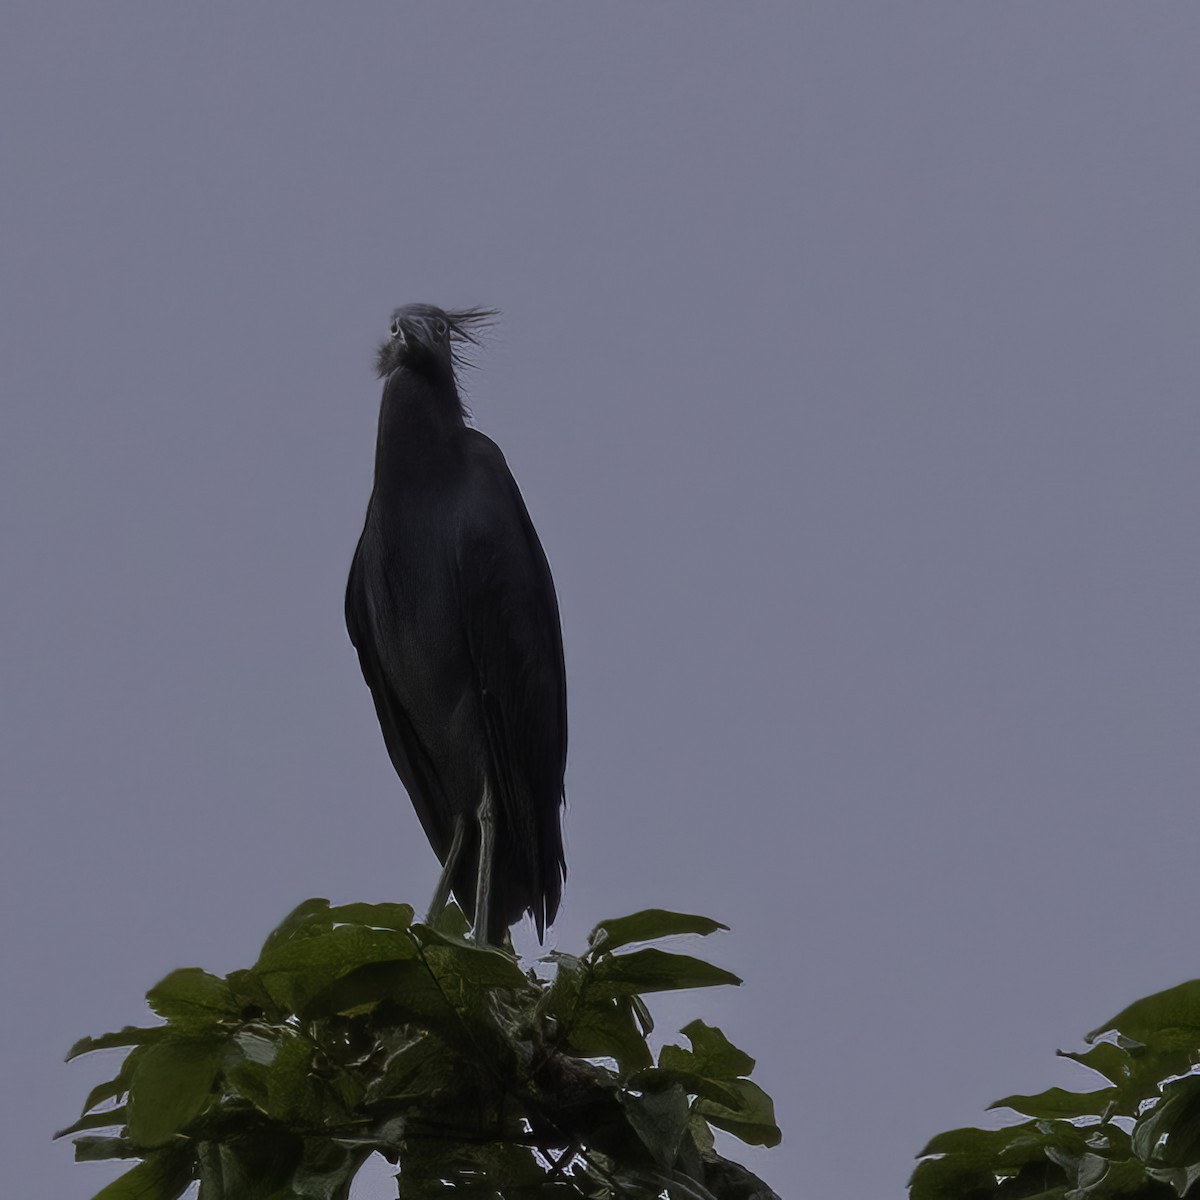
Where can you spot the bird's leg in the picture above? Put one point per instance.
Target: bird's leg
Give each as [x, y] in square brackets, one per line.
[486, 815]
[442, 892]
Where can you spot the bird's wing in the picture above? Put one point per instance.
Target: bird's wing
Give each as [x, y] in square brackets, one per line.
[512, 625]
[409, 756]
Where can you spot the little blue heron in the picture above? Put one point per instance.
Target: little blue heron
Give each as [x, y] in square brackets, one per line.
[451, 607]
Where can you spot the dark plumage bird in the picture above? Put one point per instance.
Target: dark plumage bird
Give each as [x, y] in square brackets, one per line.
[452, 609]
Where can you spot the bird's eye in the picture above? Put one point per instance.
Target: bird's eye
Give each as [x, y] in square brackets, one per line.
[441, 327]
[395, 327]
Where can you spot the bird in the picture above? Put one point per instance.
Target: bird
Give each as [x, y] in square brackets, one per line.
[452, 609]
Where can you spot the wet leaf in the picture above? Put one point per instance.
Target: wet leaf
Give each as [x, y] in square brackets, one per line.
[297, 970]
[1169, 1134]
[659, 1119]
[647, 926]
[326, 1170]
[693, 1083]
[1106, 1059]
[714, 1054]
[191, 996]
[1100, 1179]
[131, 1035]
[979, 1146]
[376, 916]
[98, 1149]
[653, 970]
[108, 1119]
[1055, 1102]
[451, 957]
[118, 1085]
[307, 918]
[422, 1065]
[172, 1084]
[163, 1176]
[752, 1120]
[452, 921]
[1169, 1019]
[604, 1027]
[255, 1164]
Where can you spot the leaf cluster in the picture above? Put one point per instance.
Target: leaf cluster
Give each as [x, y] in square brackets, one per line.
[360, 1031]
[1137, 1137]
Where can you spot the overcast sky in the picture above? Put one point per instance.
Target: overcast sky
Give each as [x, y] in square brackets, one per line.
[849, 369]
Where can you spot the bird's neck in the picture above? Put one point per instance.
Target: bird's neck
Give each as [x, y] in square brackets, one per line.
[416, 415]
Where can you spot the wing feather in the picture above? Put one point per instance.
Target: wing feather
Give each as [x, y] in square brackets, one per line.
[515, 641]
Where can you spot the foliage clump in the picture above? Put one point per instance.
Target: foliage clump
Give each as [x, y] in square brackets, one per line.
[360, 1031]
[1136, 1138]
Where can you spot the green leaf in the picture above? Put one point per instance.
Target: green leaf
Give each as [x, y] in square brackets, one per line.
[249, 994]
[407, 990]
[1169, 1134]
[1038, 1160]
[191, 996]
[641, 1010]
[958, 1179]
[131, 1035]
[480, 993]
[307, 918]
[980, 1146]
[1136, 1072]
[163, 1176]
[295, 1095]
[99, 1149]
[118, 1085]
[250, 1080]
[659, 1119]
[647, 926]
[693, 1083]
[274, 1069]
[418, 1065]
[1100, 1179]
[105, 1091]
[1168, 1019]
[171, 1085]
[752, 1121]
[342, 948]
[1106, 1059]
[1108, 1140]
[326, 1170]
[256, 1164]
[108, 1119]
[397, 917]
[479, 966]
[560, 1000]
[295, 971]
[604, 1027]
[1055, 1102]
[452, 921]
[701, 1132]
[1180, 1178]
[970, 1160]
[407, 985]
[470, 1168]
[715, 1055]
[655, 970]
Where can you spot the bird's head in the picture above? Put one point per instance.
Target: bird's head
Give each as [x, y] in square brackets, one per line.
[429, 339]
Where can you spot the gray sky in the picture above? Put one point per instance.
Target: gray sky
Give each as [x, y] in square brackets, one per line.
[849, 369]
